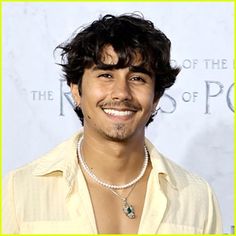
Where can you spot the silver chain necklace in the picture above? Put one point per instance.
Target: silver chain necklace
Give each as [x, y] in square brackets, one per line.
[128, 209]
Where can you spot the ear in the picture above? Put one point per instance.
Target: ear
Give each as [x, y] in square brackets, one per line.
[75, 93]
[155, 103]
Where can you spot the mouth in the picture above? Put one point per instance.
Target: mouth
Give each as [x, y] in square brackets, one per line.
[119, 114]
[114, 112]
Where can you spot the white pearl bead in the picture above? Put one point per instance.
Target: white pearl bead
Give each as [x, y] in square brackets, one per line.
[111, 186]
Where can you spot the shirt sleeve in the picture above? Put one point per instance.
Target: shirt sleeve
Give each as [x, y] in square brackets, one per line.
[9, 221]
[213, 222]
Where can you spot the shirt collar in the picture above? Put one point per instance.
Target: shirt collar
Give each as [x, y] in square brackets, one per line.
[63, 158]
[161, 165]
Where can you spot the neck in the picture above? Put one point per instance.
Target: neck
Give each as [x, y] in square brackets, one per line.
[114, 162]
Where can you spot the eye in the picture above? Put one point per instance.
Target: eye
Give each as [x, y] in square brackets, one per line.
[138, 79]
[105, 75]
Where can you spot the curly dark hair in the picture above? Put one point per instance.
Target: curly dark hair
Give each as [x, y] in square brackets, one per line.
[128, 34]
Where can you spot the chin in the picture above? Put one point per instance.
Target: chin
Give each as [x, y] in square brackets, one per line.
[118, 135]
[117, 139]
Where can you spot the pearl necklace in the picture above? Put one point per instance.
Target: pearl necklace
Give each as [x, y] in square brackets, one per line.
[112, 186]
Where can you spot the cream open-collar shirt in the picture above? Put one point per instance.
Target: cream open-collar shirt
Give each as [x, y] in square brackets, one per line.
[50, 196]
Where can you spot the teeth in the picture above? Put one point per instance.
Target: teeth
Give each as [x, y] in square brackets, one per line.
[117, 113]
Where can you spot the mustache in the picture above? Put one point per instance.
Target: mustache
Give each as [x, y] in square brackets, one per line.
[121, 104]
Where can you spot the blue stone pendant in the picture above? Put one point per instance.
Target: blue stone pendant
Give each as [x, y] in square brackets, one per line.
[128, 210]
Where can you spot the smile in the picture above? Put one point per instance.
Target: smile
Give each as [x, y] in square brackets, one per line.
[113, 112]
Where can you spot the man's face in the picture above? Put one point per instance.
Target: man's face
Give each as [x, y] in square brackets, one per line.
[116, 103]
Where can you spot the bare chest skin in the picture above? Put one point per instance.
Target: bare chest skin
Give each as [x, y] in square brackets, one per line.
[109, 215]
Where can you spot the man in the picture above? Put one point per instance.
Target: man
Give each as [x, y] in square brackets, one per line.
[109, 179]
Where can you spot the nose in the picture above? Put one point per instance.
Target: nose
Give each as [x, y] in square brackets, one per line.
[121, 90]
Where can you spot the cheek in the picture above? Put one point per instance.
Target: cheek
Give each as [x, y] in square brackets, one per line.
[91, 96]
[147, 100]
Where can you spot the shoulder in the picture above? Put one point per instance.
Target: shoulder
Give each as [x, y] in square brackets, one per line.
[178, 176]
[53, 161]
[184, 189]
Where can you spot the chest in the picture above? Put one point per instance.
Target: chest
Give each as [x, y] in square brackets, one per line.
[112, 214]
[100, 211]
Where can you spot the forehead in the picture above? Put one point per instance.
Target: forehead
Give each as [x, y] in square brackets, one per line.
[110, 57]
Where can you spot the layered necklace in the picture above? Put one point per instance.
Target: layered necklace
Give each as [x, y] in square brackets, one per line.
[128, 209]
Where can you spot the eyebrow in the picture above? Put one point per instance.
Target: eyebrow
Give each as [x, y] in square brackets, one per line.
[139, 69]
[104, 67]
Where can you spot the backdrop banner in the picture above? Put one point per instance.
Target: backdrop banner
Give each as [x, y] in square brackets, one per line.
[194, 125]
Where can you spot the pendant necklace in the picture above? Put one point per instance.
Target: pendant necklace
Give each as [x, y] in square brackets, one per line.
[128, 209]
